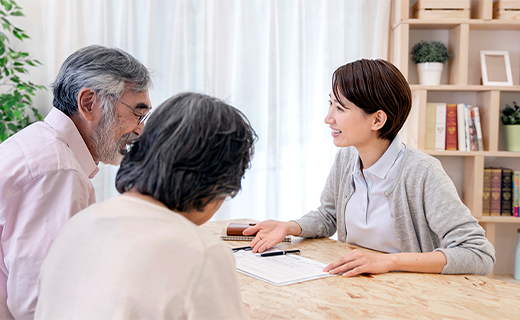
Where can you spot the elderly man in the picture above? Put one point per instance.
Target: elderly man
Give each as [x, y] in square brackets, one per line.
[100, 102]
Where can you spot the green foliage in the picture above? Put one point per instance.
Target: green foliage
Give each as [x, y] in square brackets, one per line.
[430, 51]
[15, 100]
[511, 115]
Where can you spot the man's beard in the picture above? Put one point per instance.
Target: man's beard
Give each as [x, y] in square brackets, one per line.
[109, 150]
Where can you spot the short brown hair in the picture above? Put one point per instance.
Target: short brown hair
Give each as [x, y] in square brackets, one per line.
[374, 85]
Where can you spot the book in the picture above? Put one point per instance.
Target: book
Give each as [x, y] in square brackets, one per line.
[486, 193]
[467, 125]
[478, 128]
[430, 126]
[496, 192]
[451, 126]
[471, 129]
[506, 206]
[516, 193]
[461, 132]
[440, 126]
[233, 232]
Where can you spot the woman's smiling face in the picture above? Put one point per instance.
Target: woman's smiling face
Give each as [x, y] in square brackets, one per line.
[350, 125]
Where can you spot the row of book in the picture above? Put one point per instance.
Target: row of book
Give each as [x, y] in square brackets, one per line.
[501, 195]
[451, 126]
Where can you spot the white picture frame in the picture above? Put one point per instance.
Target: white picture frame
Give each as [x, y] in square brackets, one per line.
[496, 68]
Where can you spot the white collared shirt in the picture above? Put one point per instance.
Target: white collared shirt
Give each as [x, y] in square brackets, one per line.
[367, 215]
[44, 180]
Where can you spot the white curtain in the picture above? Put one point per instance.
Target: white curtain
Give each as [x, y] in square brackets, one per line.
[272, 59]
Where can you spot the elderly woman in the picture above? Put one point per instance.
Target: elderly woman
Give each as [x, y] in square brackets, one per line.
[141, 254]
[382, 194]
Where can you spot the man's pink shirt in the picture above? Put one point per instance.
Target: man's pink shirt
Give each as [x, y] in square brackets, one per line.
[44, 180]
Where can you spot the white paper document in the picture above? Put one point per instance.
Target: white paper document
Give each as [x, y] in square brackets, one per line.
[279, 270]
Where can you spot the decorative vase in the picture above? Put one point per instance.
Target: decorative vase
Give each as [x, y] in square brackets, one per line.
[430, 73]
[512, 137]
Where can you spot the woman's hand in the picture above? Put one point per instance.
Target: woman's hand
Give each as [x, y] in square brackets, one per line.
[357, 262]
[270, 233]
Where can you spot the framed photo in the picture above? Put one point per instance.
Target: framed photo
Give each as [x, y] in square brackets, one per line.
[496, 68]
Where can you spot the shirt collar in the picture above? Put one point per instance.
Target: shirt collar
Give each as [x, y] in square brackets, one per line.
[70, 134]
[381, 168]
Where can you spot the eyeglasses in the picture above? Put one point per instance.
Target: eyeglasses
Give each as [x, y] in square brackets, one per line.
[142, 117]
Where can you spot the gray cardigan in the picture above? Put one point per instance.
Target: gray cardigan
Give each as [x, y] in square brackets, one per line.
[427, 213]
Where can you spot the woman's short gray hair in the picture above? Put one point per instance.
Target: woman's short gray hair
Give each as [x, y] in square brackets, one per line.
[193, 150]
[107, 71]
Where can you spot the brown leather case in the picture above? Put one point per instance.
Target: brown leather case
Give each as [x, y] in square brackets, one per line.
[236, 229]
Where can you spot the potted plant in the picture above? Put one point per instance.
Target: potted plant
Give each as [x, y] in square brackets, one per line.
[430, 57]
[511, 121]
[16, 107]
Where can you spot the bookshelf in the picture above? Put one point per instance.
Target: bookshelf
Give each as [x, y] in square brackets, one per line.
[460, 83]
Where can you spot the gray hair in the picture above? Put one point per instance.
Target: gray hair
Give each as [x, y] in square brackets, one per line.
[194, 149]
[107, 71]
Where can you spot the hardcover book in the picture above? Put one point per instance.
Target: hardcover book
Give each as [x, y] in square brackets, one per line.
[486, 193]
[451, 126]
[507, 196]
[496, 192]
[233, 232]
[440, 126]
[461, 131]
[430, 126]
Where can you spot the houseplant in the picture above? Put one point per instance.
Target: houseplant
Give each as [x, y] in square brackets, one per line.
[16, 106]
[429, 57]
[511, 121]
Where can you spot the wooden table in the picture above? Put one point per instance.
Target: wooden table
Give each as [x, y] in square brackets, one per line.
[395, 295]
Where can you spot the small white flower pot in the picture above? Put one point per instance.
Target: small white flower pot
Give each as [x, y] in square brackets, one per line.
[430, 73]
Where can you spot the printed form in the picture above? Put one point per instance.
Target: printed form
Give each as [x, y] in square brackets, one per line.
[279, 270]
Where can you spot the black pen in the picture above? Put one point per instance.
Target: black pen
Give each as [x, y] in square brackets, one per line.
[278, 253]
[242, 248]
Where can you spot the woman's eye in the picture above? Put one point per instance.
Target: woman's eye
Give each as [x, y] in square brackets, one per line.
[339, 109]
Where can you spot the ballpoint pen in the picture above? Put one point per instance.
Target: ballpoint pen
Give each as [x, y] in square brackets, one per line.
[279, 253]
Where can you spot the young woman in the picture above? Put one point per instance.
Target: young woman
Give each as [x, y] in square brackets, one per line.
[141, 255]
[382, 194]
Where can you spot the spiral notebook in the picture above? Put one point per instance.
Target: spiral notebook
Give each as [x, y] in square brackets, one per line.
[233, 232]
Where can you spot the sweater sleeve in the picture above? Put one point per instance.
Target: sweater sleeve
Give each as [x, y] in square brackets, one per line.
[463, 240]
[322, 222]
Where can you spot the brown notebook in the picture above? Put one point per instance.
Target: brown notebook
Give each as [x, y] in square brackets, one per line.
[233, 232]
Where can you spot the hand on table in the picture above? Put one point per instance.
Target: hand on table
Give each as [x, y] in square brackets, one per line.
[357, 262]
[270, 233]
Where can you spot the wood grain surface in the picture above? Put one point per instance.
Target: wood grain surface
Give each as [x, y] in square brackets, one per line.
[394, 295]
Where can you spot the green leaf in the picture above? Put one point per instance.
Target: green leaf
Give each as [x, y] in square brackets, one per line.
[12, 127]
[22, 70]
[2, 129]
[29, 62]
[16, 34]
[18, 63]
[17, 114]
[17, 13]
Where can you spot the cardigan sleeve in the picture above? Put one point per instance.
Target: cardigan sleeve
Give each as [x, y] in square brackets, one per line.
[463, 240]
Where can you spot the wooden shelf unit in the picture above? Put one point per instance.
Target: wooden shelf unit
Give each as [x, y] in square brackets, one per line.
[487, 98]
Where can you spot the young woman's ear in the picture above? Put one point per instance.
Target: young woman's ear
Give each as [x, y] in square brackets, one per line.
[86, 101]
[380, 118]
